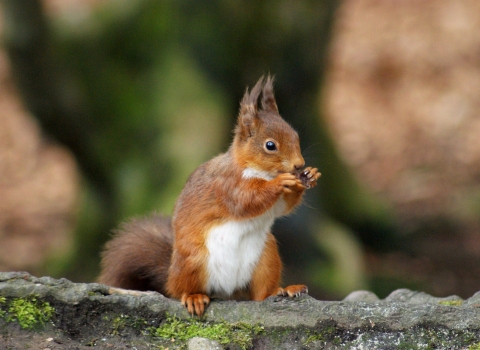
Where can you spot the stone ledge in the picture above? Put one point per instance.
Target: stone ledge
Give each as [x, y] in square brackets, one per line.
[405, 319]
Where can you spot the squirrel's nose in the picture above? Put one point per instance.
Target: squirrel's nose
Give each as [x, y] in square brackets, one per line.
[299, 164]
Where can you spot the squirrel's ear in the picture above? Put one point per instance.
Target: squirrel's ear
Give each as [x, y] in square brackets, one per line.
[248, 117]
[268, 101]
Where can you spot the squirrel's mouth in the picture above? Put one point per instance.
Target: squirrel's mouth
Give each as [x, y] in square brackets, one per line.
[296, 172]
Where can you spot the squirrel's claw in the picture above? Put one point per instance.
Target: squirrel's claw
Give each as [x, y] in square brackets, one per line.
[309, 177]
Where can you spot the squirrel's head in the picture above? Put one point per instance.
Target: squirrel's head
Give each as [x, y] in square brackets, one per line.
[264, 143]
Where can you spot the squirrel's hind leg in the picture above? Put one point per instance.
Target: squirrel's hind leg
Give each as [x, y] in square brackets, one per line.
[267, 274]
[266, 277]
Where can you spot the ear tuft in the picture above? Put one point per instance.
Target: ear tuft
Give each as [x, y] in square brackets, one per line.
[248, 116]
[268, 100]
[252, 97]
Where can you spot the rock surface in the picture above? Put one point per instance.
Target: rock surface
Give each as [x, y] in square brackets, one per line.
[94, 315]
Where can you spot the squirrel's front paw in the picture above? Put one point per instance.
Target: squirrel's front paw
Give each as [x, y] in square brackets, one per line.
[195, 303]
[309, 177]
[287, 182]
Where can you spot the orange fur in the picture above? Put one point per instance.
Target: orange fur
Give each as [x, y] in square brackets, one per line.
[240, 185]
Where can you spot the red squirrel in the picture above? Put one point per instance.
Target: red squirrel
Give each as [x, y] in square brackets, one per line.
[218, 241]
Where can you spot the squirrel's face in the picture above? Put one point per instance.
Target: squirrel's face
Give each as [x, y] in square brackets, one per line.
[272, 146]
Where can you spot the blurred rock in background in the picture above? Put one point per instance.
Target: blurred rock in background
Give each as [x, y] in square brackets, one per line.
[403, 103]
[39, 187]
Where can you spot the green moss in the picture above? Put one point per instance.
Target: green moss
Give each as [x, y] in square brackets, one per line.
[225, 333]
[313, 338]
[29, 312]
[119, 324]
[326, 334]
[451, 302]
[2, 301]
[474, 347]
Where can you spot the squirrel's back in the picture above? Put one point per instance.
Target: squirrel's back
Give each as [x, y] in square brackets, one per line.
[138, 256]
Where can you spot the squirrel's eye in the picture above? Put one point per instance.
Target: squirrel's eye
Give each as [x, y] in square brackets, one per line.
[270, 145]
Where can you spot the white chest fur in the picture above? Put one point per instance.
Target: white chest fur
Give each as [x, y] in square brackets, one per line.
[234, 250]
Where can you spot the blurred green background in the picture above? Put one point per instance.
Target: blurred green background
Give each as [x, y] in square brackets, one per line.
[142, 92]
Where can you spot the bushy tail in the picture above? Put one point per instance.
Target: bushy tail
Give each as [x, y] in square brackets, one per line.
[138, 256]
